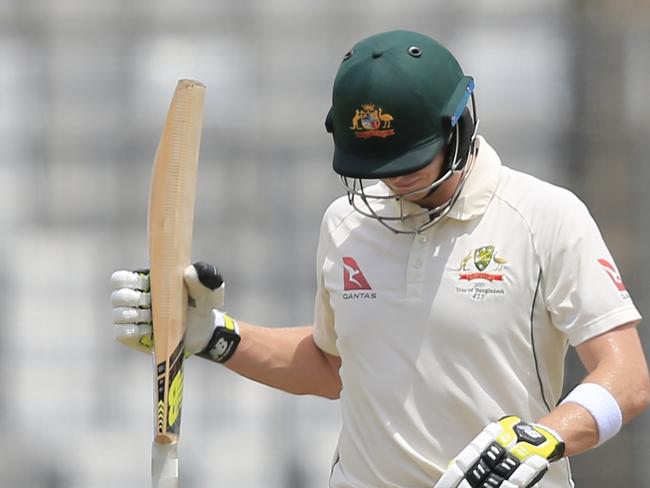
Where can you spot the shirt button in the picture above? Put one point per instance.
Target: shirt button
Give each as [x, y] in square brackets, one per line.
[423, 238]
[417, 264]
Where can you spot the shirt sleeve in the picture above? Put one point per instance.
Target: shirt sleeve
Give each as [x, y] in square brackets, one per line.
[583, 290]
[324, 332]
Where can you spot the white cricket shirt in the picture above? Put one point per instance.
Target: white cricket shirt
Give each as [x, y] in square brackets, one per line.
[444, 332]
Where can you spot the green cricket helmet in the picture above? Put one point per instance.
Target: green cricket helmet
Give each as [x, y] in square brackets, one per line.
[399, 98]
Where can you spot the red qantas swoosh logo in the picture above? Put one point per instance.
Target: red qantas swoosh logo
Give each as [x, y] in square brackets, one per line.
[613, 274]
[353, 278]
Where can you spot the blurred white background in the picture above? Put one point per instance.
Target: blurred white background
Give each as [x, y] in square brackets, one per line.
[84, 88]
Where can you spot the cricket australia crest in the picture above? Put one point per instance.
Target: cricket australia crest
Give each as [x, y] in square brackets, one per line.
[371, 121]
[482, 272]
[483, 256]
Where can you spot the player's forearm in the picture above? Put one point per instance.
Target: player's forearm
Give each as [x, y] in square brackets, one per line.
[628, 384]
[287, 359]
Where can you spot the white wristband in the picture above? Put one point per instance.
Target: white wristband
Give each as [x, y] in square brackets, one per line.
[602, 406]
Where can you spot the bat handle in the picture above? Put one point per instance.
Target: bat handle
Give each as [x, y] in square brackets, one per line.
[164, 465]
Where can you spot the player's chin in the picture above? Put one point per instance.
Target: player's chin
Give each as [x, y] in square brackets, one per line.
[413, 195]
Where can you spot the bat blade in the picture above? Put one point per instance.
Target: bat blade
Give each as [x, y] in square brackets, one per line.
[171, 214]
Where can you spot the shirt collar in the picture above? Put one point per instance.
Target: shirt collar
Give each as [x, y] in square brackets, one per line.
[481, 183]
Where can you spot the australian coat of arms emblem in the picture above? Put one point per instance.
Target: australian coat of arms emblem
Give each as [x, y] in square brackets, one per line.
[482, 258]
[371, 121]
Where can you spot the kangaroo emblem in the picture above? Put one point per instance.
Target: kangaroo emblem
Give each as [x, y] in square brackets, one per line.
[358, 116]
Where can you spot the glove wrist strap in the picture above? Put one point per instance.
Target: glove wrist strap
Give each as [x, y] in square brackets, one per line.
[224, 341]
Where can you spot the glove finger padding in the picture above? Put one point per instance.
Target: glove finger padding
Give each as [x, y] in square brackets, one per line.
[135, 336]
[506, 454]
[205, 286]
[131, 312]
[128, 297]
[131, 315]
[135, 280]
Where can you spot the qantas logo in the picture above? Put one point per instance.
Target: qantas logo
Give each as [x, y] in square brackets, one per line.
[353, 278]
[613, 274]
[354, 281]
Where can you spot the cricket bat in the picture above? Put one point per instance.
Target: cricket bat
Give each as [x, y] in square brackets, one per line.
[171, 213]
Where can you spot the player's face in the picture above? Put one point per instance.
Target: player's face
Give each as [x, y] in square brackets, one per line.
[409, 184]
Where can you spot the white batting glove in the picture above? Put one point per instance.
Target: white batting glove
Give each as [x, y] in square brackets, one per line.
[506, 454]
[210, 333]
[131, 302]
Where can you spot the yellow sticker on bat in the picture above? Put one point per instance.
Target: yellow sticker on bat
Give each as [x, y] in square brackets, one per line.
[175, 398]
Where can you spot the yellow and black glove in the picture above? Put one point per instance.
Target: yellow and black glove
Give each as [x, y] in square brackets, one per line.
[506, 454]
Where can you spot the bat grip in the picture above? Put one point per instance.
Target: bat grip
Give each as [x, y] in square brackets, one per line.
[164, 465]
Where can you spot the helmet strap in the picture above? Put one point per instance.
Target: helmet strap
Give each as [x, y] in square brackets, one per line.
[457, 149]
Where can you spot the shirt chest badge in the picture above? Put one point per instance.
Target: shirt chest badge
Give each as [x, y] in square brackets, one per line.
[481, 273]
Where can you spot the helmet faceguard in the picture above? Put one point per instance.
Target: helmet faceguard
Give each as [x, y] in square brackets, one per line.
[399, 99]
